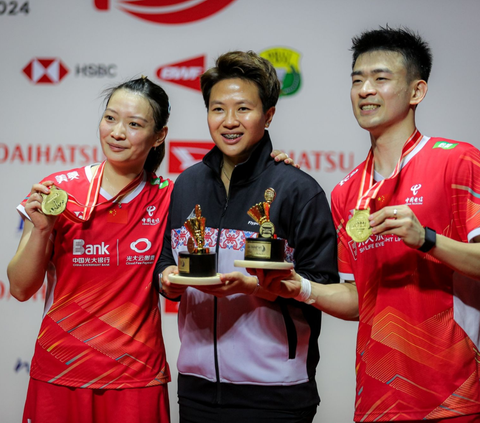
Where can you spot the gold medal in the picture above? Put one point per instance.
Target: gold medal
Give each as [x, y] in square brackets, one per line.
[55, 202]
[358, 227]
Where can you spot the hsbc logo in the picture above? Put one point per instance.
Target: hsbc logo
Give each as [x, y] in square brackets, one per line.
[167, 11]
[183, 154]
[45, 71]
[185, 73]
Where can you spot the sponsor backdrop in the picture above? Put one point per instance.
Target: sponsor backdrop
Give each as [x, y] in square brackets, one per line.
[57, 56]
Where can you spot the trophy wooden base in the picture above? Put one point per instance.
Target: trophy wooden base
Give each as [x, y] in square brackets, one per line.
[182, 280]
[197, 265]
[267, 265]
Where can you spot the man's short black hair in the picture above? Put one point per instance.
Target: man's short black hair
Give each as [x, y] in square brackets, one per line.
[415, 51]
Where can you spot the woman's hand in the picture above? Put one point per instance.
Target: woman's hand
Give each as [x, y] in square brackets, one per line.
[278, 156]
[33, 207]
[232, 283]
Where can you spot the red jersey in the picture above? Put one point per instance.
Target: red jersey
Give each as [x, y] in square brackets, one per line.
[418, 336]
[102, 326]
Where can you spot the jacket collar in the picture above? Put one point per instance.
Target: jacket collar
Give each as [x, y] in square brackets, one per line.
[249, 169]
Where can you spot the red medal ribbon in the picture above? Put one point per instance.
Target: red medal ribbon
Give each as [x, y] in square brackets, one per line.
[368, 189]
[92, 196]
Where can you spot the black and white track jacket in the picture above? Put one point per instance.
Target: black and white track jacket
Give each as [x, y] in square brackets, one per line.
[242, 350]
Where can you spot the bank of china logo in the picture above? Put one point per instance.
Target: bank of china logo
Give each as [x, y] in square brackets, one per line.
[287, 64]
[183, 154]
[45, 71]
[185, 73]
[169, 12]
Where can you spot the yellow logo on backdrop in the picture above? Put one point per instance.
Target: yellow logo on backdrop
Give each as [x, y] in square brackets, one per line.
[287, 64]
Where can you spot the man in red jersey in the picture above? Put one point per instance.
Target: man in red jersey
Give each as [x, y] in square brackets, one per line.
[408, 224]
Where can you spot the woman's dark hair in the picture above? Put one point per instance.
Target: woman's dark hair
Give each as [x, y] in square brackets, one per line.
[158, 100]
[248, 66]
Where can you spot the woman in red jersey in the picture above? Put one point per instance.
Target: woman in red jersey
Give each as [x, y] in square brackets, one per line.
[99, 356]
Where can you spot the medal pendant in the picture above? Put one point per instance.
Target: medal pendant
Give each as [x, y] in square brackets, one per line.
[358, 227]
[54, 203]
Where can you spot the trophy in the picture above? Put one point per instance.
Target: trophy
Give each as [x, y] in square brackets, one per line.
[198, 261]
[264, 251]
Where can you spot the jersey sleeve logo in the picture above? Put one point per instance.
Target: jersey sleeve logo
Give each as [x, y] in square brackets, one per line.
[444, 145]
[162, 183]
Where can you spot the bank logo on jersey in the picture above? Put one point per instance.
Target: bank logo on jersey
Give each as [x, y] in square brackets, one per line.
[170, 12]
[79, 248]
[444, 145]
[90, 254]
[287, 64]
[45, 70]
[415, 200]
[185, 73]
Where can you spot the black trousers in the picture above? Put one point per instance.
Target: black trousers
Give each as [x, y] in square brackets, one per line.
[194, 412]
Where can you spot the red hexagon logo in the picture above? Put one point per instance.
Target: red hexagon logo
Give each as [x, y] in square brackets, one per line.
[45, 71]
[170, 12]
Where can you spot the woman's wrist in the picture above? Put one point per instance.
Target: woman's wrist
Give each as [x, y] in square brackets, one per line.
[257, 286]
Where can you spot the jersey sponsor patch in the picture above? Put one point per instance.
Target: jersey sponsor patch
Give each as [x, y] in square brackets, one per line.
[444, 145]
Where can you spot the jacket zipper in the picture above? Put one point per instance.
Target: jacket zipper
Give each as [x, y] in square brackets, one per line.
[215, 309]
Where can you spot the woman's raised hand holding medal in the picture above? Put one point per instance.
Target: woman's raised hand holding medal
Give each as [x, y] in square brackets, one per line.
[34, 205]
[55, 202]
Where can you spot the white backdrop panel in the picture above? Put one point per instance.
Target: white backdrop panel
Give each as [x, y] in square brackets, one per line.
[315, 121]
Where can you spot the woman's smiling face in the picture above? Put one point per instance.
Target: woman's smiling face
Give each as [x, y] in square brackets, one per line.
[236, 119]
